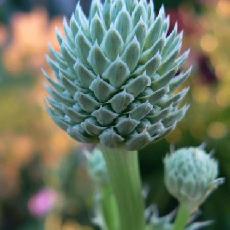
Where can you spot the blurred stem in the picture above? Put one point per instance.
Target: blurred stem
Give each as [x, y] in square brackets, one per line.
[109, 208]
[182, 218]
[125, 179]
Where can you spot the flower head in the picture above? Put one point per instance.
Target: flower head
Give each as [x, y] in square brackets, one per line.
[191, 175]
[116, 75]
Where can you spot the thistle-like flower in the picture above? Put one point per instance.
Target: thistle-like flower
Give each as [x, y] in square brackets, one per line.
[116, 75]
[191, 176]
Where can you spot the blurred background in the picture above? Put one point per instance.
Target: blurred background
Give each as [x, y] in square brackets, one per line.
[43, 178]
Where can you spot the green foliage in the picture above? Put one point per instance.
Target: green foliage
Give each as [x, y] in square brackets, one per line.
[76, 188]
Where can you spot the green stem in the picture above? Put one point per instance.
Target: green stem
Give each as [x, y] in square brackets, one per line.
[109, 208]
[182, 218]
[125, 179]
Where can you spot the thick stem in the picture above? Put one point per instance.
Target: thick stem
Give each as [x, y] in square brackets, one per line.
[182, 218]
[125, 179]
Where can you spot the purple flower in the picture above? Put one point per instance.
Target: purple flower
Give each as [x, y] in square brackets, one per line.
[42, 202]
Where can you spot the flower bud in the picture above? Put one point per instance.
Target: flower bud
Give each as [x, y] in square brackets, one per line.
[116, 75]
[191, 175]
[97, 166]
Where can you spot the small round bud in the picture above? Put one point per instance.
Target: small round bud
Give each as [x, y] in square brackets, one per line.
[191, 175]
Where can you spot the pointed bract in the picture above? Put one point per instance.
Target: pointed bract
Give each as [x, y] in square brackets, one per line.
[117, 72]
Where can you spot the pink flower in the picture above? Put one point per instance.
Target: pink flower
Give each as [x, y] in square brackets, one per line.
[42, 202]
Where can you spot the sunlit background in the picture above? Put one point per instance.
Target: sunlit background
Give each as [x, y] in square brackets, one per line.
[43, 178]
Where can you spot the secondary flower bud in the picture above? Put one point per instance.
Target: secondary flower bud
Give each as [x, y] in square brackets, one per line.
[191, 175]
[116, 75]
[97, 166]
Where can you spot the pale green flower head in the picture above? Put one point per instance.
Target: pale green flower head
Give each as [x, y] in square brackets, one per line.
[191, 175]
[116, 75]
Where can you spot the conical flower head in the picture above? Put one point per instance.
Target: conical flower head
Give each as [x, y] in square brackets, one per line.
[191, 175]
[116, 75]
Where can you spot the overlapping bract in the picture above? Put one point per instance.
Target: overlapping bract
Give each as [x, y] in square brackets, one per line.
[116, 73]
[191, 175]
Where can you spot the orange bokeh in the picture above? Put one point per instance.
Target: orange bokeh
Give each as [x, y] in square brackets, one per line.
[31, 33]
[3, 35]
